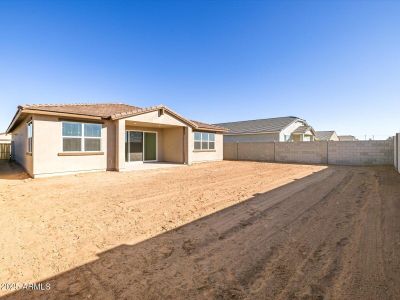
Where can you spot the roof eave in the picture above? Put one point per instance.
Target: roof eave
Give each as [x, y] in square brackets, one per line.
[14, 119]
[222, 130]
[155, 108]
[294, 120]
[22, 109]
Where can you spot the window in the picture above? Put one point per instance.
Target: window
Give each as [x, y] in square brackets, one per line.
[204, 141]
[81, 136]
[30, 135]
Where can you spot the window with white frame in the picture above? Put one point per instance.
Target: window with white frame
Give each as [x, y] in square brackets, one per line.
[30, 135]
[85, 137]
[204, 141]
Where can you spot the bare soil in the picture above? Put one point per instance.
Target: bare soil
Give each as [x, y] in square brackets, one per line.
[226, 230]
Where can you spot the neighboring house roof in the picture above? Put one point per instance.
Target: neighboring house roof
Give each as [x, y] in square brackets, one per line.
[5, 137]
[207, 126]
[113, 111]
[303, 130]
[324, 135]
[347, 138]
[260, 125]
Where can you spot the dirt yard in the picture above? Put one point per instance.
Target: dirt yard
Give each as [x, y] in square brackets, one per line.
[227, 230]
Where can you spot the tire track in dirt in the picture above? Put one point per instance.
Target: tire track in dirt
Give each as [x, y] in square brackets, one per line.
[367, 275]
[279, 235]
[196, 249]
[319, 256]
[332, 235]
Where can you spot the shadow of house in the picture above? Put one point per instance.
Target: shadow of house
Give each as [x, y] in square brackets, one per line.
[10, 170]
[221, 256]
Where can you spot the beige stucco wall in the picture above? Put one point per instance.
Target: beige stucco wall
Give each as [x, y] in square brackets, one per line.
[120, 145]
[172, 145]
[20, 141]
[175, 143]
[154, 118]
[48, 144]
[204, 156]
[111, 145]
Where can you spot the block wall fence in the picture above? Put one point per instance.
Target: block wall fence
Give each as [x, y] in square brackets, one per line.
[356, 153]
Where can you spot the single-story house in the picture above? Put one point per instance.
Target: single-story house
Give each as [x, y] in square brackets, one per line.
[326, 135]
[283, 129]
[347, 138]
[70, 138]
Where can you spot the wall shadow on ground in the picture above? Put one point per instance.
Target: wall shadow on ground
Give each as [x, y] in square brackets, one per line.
[168, 266]
[11, 171]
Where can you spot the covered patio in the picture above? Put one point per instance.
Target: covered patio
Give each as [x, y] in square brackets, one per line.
[151, 140]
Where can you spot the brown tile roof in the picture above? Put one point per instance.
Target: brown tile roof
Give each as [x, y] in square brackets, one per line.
[199, 125]
[202, 125]
[103, 110]
[111, 111]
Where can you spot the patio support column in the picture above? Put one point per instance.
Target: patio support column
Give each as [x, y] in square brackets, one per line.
[189, 145]
[120, 145]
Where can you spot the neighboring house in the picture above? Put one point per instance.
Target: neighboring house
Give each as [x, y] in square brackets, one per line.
[282, 129]
[326, 136]
[5, 138]
[69, 138]
[347, 138]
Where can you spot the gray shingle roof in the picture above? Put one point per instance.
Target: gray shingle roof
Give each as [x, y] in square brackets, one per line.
[302, 129]
[324, 135]
[257, 126]
[347, 138]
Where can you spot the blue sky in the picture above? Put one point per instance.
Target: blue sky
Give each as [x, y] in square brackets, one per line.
[335, 64]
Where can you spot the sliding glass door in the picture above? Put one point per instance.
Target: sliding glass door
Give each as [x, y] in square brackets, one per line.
[150, 146]
[134, 146]
[140, 146]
